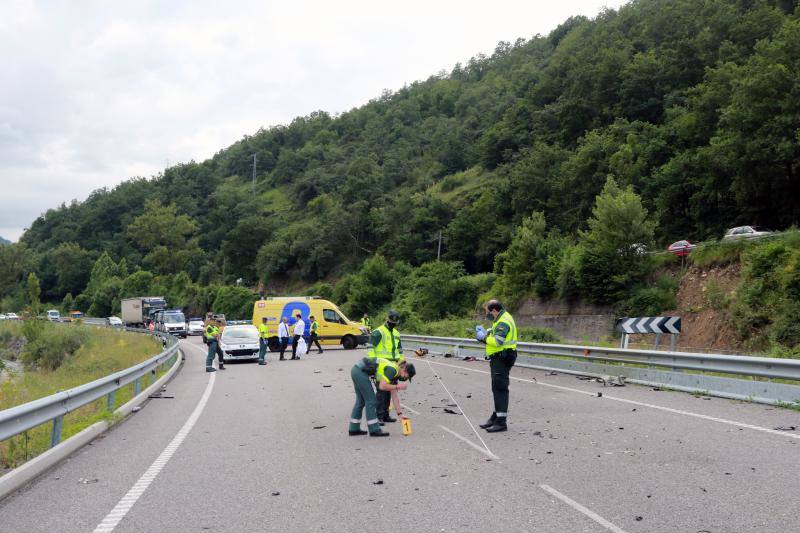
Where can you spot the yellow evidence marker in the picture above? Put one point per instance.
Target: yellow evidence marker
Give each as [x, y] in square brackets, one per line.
[406, 426]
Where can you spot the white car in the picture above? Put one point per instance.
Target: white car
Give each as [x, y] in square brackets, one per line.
[114, 322]
[239, 343]
[746, 232]
[53, 315]
[196, 326]
[2, 316]
[12, 316]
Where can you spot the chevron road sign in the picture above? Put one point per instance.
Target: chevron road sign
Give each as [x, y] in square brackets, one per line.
[649, 324]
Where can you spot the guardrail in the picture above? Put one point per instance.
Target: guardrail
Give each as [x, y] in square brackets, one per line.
[690, 372]
[29, 415]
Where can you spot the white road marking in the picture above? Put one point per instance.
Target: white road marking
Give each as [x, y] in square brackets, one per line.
[460, 409]
[580, 508]
[407, 408]
[641, 404]
[122, 508]
[485, 452]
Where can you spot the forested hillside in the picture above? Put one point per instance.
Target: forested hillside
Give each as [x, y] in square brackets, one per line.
[544, 166]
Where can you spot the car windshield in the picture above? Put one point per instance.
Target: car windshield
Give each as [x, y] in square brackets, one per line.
[195, 322]
[760, 228]
[240, 334]
[174, 318]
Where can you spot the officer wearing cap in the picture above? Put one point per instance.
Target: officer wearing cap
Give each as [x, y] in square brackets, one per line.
[501, 350]
[387, 374]
[385, 344]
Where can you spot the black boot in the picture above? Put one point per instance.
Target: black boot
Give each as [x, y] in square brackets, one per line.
[388, 418]
[356, 432]
[489, 423]
[499, 425]
[379, 433]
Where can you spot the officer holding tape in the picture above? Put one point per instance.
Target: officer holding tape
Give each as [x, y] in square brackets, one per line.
[501, 351]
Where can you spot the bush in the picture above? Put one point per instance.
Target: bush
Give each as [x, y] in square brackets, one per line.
[438, 290]
[538, 335]
[235, 303]
[651, 300]
[322, 289]
[715, 297]
[52, 346]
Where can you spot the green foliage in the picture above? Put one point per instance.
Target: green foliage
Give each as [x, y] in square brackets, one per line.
[437, 290]
[715, 297]
[235, 302]
[651, 300]
[371, 288]
[52, 345]
[34, 291]
[163, 235]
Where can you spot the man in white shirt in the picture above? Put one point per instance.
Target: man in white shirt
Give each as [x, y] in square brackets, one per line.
[299, 331]
[283, 335]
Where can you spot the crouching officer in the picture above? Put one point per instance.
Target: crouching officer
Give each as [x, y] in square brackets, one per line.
[385, 344]
[501, 350]
[212, 337]
[386, 374]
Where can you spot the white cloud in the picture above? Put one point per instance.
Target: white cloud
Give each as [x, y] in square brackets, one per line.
[97, 92]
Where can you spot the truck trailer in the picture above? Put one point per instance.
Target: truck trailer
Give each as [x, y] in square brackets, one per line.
[138, 312]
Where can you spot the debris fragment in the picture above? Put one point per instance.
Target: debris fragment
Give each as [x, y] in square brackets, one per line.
[378, 482]
[86, 481]
[599, 394]
[469, 358]
[552, 373]
[318, 371]
[276, 493]
[469, 395]
[326, 386]
[137, 408]
[785, 428]
[639, 518]
[656, 389]
[319, 427]
[450, 411]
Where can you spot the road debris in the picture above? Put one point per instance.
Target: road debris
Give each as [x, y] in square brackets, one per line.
[276, 493]
[785, 428]
[378, 482]
[86, 481]
[326, 386]
[136, 409]
[450, 411]
[319, 427]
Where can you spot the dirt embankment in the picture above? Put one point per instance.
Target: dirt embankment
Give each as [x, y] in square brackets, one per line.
[704, 301]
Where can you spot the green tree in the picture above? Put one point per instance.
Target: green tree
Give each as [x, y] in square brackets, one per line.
[437, 290]
[613, 257]
[34, 291]
[164, 236]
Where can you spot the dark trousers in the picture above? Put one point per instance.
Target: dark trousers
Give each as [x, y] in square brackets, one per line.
[295, 339]
[262, 349]
[500, 368]
[213, 347]
[284, 343]
[314, 340]
[365, 400]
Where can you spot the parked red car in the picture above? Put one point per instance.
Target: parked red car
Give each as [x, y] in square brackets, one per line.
[681, 248]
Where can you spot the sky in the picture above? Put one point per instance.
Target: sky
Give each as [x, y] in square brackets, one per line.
[97, 92]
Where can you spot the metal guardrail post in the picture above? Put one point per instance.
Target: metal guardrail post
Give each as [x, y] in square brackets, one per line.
[55, 433]
[110, 400]
[137, 386]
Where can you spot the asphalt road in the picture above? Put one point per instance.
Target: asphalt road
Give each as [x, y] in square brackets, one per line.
[265, 448]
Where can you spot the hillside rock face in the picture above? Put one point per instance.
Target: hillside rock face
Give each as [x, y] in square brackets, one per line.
[573, 321]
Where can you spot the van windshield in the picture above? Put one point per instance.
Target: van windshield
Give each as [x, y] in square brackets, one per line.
[174, 318]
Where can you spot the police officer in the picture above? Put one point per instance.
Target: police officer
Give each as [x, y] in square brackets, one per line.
[263, 341]
[367, 323]
[314, 338]
[501, 350]
[385, 344]
[212, 337]
[386, 374]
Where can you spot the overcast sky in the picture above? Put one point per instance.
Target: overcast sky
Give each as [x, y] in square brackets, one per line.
[95, 92]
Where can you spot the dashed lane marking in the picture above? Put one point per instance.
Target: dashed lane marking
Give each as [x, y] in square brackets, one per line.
[581, 509]
[641, 404]
[122, 508]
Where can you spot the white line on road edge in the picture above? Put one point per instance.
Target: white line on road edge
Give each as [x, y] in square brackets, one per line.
[642, 404]
[580, 508]
[460, 409]
[485, 452]
[122, 508]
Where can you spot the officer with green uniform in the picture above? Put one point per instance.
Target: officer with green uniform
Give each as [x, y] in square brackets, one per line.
[385, 344]
[366, 322]
[501, 350]
[386, 374]
[212, 337]
[314, 338]
[263, 341]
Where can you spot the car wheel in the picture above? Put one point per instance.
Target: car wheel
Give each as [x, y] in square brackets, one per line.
[349, 342]
[274, 344]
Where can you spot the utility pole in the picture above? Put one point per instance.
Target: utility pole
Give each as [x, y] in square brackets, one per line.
[439, 250]
[254, 173]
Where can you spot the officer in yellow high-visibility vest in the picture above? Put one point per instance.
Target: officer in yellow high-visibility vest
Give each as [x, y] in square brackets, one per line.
[501, 350]
[313, 331]
[385, 344]
[386, 374]
[366, 322]
[212, 334]
[263, 341]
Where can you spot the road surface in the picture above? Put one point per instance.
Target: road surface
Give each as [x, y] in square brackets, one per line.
[265, 448]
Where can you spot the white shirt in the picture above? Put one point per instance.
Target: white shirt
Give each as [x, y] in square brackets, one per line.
[283, 330]
[299, 327]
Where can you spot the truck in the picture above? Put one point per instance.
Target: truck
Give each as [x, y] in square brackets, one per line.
[138, 312]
